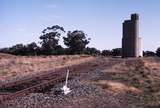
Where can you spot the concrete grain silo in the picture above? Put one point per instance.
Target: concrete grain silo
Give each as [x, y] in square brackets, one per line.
[131, 45]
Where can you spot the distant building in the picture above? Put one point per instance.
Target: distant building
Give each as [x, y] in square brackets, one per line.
[131, 42]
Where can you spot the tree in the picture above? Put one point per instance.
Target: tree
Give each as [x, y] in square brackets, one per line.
[106, 53]
[18, 49]
[148, 53]
[32, 49]
[92, 51]
[117, 52]
[4, 50]
[59, 50]
[76, 41]
[158, 52]
[50, 38]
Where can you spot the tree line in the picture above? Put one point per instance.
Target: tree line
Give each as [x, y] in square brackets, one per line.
[75, 41]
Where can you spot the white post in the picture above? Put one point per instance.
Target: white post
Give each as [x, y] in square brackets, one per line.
[67, 77]
[65, 89]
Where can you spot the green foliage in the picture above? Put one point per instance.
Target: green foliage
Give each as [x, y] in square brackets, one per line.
[76, 41]
[49, 39]
[92, 51]
[31, 49]
[18, 49]
[148, 53]
[106, 53]
[116, 52]
[158, 52]
[5, 50]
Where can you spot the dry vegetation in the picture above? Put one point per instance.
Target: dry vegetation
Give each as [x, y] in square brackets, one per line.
[134, 82]
[140, 77]
[14, 67]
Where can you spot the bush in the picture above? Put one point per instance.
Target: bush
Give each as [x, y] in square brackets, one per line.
[116, 52]
[92, 51]
[148, 53]
[158, 52]
[106, 53]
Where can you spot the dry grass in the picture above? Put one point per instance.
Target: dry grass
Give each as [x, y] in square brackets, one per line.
[134, 77]
[117, 87]
[14, 66]
[138, 78]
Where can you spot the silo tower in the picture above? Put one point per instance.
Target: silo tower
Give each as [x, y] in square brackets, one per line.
[131, 42]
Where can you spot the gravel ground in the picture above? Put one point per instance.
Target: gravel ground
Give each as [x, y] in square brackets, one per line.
[83, 95]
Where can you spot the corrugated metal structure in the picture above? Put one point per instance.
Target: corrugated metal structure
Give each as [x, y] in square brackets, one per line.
[131, 43]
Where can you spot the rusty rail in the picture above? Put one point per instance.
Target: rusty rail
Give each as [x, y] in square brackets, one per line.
[52, 79]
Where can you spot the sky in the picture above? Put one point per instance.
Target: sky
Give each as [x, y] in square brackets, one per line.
[22, 21]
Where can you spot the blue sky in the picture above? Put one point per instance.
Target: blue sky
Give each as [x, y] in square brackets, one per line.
[23, 20]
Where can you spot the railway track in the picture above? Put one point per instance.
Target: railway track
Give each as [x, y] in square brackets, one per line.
[44, 81]
[40, 82]
[32, 89]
